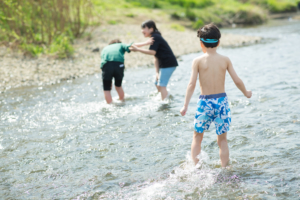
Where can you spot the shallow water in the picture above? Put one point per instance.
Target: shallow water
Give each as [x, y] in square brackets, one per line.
[64, 142]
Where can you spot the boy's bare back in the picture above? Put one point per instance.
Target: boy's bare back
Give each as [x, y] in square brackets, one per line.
[212, 70]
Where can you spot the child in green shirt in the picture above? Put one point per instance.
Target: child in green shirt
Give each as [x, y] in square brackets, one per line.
[112, 66]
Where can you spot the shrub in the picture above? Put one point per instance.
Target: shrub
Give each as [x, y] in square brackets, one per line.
[281, 6]
[61, 47]
[130, 15]
[35, 24]
[112, 22]
[190, 14]
[145, 3]
[192, 3]
[177, 27]
[176, 16]
[199, 23]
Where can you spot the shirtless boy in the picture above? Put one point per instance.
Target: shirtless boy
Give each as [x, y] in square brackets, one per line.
[212, 105]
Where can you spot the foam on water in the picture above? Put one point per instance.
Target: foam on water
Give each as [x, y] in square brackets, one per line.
[185, 180]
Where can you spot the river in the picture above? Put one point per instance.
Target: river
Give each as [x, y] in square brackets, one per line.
[64, 142]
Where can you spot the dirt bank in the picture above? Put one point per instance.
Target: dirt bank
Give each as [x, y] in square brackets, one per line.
[16, 70]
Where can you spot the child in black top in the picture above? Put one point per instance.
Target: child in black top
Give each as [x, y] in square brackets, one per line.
[165, 60]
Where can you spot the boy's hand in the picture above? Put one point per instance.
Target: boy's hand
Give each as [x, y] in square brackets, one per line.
[157, 76]
[183, 110]
[248, 94]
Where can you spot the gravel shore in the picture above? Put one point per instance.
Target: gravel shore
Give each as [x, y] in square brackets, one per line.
[17, 71]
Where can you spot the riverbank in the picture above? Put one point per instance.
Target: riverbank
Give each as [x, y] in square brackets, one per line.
[17, 70]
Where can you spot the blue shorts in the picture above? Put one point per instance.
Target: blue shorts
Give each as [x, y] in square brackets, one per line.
[164, 76]
[212, 108]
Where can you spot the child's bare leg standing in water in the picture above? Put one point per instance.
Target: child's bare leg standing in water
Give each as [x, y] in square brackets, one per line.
[107, 94]
[213, 104]
[196, 146]
[222, 143]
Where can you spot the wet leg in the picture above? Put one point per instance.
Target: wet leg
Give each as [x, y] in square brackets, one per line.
[196, 146]
[224, 150]
[120, 92]
[163, 92]
[107, 96]
[158, 88]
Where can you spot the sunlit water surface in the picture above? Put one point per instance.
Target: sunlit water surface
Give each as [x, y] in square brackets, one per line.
[64, 142]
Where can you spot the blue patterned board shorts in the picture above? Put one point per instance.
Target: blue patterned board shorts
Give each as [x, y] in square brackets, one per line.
[212, 108]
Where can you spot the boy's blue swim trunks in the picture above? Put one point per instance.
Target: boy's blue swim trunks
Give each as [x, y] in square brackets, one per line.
[212, 108]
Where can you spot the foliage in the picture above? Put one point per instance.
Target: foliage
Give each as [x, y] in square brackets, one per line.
[177, 27]
[281, 6]
[169, 3]
[112, 22]
[190, 14]
[177, 16]
[275, 6]
[61, 47]
[50, 26]
[35, 25]
[199, 23]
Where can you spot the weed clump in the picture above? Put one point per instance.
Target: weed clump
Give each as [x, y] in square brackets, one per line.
[44, 26]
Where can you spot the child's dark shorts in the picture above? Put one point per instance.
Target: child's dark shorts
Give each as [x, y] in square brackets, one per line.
[111, 70]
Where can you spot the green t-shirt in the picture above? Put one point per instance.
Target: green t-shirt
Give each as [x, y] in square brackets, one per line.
[114, 52]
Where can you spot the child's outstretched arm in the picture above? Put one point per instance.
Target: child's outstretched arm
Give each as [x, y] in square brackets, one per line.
[141, 44]
[238, 82]
[144, 51]
[191, 87]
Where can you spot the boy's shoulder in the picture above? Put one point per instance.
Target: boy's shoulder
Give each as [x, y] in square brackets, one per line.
[198, 61]
[224, 57]
[199, 58]
[205, 56]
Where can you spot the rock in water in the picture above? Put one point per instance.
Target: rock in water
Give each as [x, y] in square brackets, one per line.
[96, 49]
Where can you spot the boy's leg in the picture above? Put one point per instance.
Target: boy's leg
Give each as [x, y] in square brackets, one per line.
[107, 89]
[224, 150]
[120, 92]
[119, 89]
[107, 96]
[196, 146]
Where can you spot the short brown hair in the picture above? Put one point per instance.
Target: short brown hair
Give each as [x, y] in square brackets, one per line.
[115, 41]
[209, 31]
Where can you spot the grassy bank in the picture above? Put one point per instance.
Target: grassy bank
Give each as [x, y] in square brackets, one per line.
[50, 26]
[193, 13]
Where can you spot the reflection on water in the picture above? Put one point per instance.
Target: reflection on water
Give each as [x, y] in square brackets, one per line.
[63, 141]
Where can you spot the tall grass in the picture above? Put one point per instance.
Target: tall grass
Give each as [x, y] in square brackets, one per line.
[276, 6]
[169, 3]
[39, 26]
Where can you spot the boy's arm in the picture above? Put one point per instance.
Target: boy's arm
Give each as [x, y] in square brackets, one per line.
[238, 82]
[148, 42]
[191, 87]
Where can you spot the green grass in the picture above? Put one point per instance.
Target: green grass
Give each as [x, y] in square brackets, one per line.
[276, 6]
[47, 27]
[198, 12]
[177, 27]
